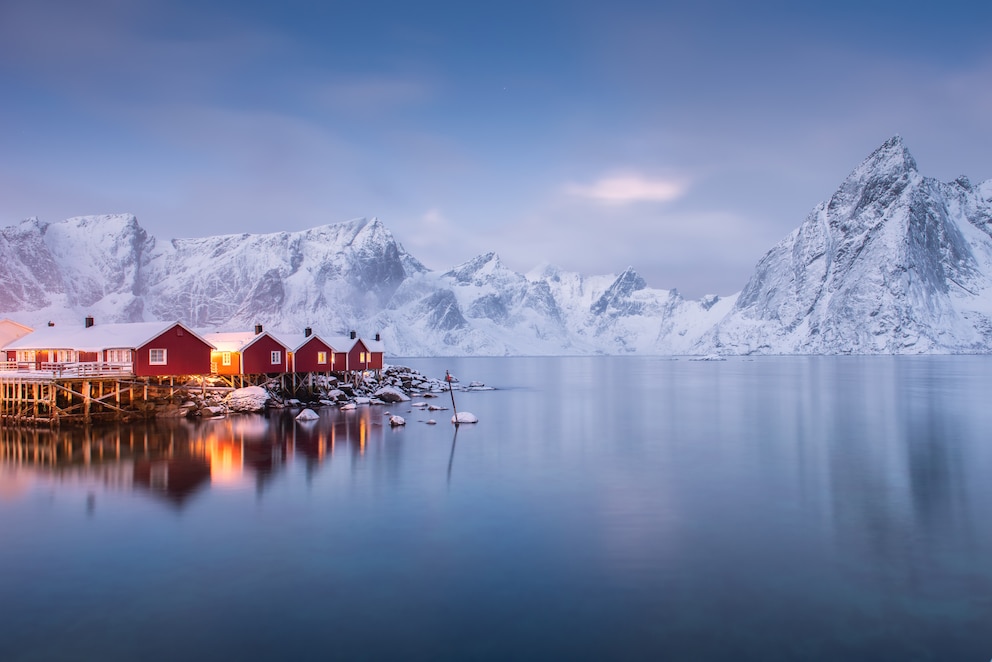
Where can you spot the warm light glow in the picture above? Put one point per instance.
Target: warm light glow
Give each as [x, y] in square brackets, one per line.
[226, 460]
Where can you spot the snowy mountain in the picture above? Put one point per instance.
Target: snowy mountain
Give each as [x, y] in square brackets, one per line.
[893, 263]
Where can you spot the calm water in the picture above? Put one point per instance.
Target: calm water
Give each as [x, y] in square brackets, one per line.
[603, 508]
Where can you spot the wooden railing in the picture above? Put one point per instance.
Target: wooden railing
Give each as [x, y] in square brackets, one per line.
[82, 369]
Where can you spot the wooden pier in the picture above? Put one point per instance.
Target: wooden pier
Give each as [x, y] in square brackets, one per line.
[42, 399]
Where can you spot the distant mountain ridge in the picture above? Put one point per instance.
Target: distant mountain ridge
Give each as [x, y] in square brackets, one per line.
[894, 262]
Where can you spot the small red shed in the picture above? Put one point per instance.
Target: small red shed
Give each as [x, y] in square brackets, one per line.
[313, 354]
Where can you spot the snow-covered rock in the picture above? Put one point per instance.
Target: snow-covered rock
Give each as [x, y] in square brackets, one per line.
[464, 417]
[307, 415]
[247, 399]
[391, 394]
[396, 421]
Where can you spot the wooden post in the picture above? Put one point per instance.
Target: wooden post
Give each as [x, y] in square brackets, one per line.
[87, 387]
[447, 378]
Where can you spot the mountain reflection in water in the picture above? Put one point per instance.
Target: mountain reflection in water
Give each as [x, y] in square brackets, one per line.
[779, 508]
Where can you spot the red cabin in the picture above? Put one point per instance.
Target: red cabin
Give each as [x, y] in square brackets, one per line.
[174, 351]
[247, 353]
[147, 349]
[313, 355]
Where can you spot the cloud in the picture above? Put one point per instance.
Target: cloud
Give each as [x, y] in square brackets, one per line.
[629, 188]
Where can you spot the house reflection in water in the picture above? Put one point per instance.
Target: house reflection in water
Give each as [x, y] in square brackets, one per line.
[176, 479]
[178, 460]
[351, 432]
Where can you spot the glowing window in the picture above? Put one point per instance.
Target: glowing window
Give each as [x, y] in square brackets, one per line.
[322, 357]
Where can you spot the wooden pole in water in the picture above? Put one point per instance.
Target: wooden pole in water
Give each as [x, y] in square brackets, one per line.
[447, 378]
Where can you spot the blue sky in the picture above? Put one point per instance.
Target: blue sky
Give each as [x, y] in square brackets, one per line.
[683, 139]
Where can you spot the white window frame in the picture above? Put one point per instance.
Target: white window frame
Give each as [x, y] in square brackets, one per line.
[225, 358]
[152, 360]
[322, 358]
[275, 357]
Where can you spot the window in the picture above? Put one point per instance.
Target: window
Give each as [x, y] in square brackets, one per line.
[276, 357]
[322, 358]
[119, 356]
[225, 358]
[156, 357]
[361, 357]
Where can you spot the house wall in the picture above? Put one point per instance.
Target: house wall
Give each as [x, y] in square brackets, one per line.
[185, 355]
[217, 360]
[340, 361]
[355, 355]
[257, 358]
[306, 356]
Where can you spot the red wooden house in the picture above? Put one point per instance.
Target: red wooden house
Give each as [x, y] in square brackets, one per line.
[172, 351]
[311, 353]
[247, 353]
[146, 349]
[377, 352]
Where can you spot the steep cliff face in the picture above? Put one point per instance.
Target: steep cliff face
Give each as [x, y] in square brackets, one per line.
[92, 262]
[894, 262]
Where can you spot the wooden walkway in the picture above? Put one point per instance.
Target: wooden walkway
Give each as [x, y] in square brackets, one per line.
[37, 398]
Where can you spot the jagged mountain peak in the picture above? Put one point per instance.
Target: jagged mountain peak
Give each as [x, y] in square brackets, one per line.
[617, 295]
[630, 281]
[482, 266]
[888, 266]
[891, 156]
[894, 263]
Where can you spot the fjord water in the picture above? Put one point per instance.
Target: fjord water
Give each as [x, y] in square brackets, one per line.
[814, 508]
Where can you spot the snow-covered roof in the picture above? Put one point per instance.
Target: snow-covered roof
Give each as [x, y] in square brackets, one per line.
[238, 341]
[340, 343]
[296, 340]
[346, 343]
[11, 330]
[129, 335]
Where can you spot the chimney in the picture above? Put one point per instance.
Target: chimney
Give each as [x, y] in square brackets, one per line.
[88, 322]
[258, 329]
[51, 324]
[377, 338]
[307, 332]
[353, 335]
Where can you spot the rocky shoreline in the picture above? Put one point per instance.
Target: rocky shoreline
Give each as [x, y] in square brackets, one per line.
[394, 384]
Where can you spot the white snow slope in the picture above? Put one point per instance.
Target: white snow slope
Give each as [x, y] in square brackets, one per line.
[893, 263]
